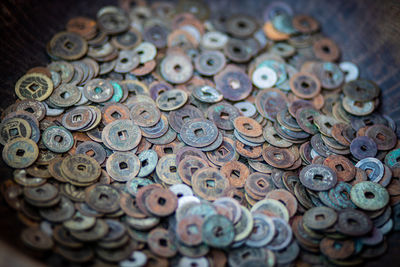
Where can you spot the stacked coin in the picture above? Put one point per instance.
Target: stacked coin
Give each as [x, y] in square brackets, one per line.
[165, 135]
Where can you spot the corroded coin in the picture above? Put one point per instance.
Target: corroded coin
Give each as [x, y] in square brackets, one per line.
[369, 196]
[199, 132]
[122, 166]
[14, 128]
[121, 135]
[57, 139]
[80, 169]
[20, 153]
[68, 45]
[103, 198]
[233, 83]
[318, 177]
[98, 90]
[34, 86]
[209, 183]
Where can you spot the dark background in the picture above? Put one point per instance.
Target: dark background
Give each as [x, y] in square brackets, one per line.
[368, 33]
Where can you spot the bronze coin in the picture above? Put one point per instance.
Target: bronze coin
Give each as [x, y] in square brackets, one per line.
[103, 198]
[209, 183]
[188, 166]
[247, 126]
[161, 202]
[236, 172]
[189, 230]
[286, 198]
[343, 167]
[278, 157]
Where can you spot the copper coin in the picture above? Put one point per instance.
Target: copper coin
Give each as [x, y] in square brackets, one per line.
[236, 172]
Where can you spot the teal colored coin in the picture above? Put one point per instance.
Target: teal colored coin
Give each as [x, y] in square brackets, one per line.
[218, 231]
[369, 196]
[57, 139]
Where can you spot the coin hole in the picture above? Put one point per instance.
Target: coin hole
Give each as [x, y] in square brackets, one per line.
[210, 183]
[37, 238]
[144, 114]
[40, 191]
[223, 151]
[278, 156]
[235, 174]
[77, 118]
[103, 196]
[58, 138]
[193, 170]
[264, 77]
[246, 255]
[368, 122]
[210, 62]
[78, 219]
[214, 40]
[124, 60]
[337, 245]
[243, 109]
[369, 171]
[319, 217]
[358, 104]
[205, 93]
[156, 36]
[369, 195]
[168, 150]
[304, 85]
[98, 90]
[65, 95]
[276, 136]
[280, 48]
[13, 132]
[199, 132]
[218, 231]
[304, 23]
[339, 167]
[234, 84]
[172, 168]
[33, 87]
[363, 148]
[179, 195]
[345, 195]
[30, 110]
[69, 45]
[351, 221]
[248, 148]
[178, 68]
[261, 183]
[161, 201]
[318, 177]
[247, 126]
[381, 137]
[238, 198]
[145, 163]
[236, 49]
[163, 242]
[123, 135]
[326, 49]
[242, 24]
[192, 229]
[398, 159]
[81, 167]
[185, 118]
[90, 153]
[224, 116]
[123, 165]
[169, 99]
[116, 115]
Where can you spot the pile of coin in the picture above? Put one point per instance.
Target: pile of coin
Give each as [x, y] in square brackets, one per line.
[165, 135]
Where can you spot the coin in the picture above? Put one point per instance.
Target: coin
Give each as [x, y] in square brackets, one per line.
[34, 86]
[20, 153]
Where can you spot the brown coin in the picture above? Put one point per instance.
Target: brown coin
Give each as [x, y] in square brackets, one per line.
[102, 198]
[236, 172]
[305, 85]
[326, 50]
[114, 111]
[188, 166]
[278, 157]
[337, 249]
[247, 126]
[209, 183]
[189, 230]
[161, 202]
[343, 167]
[160, 243]
[286, 198]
